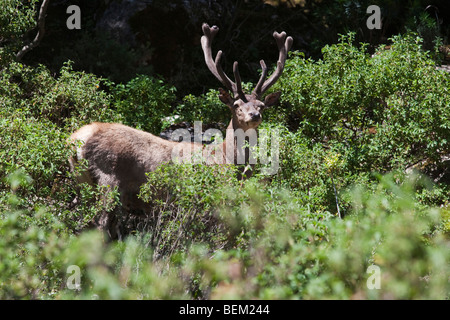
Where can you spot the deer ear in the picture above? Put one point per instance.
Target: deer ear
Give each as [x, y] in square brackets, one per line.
[225, 97]
[272, 99]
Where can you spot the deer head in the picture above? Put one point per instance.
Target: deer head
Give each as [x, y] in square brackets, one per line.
[246, 108]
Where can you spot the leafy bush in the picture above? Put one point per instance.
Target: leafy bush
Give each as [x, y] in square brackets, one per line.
[144, 102]
[28, 245]
[13, 29]
[387, 111]
[183, 199]
[390, 229]
[284, 250]
[36, 147]
[69, 101]
[206, 108]
[38, 113]
[303, 255]
[281, 249]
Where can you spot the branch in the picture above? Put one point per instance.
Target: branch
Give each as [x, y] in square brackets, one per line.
[40, 33]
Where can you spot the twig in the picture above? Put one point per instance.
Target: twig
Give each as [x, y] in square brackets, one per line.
[40, 33]
[336, 196]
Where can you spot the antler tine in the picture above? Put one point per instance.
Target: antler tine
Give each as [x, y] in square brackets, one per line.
[206, 40]
[238, 85]
[284, 45]
[257, 91]
[214, 65]
[219, 73]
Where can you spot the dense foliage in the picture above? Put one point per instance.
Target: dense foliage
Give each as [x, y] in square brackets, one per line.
[363, 185]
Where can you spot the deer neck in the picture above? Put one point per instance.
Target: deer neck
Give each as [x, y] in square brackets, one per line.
[231, 141]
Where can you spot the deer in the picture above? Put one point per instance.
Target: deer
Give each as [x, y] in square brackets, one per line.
[119, 156]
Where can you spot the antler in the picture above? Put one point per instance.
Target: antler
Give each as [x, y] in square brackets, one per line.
[214, 65]
[284, 45]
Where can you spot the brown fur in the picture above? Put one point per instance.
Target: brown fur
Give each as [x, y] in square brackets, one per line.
[118, 156]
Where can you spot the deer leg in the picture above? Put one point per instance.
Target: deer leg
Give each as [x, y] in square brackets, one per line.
[110, 224]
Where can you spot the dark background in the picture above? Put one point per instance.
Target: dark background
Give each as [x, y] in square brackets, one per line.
[121, 38]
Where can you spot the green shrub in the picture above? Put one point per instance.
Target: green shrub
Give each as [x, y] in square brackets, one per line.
[389, 228]
[29, 243]
[71, 100]
[37, 148]
[281, 249]
[16, 18]
[183, 199]
[387, 111]
[144, 102]
[206, 108]
[324, 258]
[38, 114]
[124, 270]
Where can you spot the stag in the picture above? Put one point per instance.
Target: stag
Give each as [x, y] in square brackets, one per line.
[118, 156]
